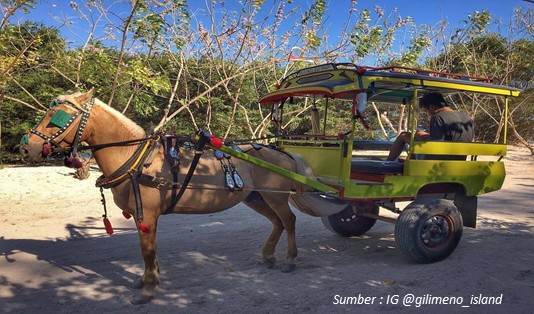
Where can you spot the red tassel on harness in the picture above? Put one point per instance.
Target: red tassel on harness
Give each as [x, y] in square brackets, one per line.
[144, 228]
[47, 149]
[107, 224]
[76, 163]
[126, 214]
[73, 162]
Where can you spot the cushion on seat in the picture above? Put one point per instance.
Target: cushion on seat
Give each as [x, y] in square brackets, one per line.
[376, 166]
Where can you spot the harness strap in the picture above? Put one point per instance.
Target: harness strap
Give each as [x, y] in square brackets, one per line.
[204, 138]
[134, 163]
[167, 184]
[172, 156]
[137, 195]
[58, 133]
[116, 144]
[86, 111]
[157, 182]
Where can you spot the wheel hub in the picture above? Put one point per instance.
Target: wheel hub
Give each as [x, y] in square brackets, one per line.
[435, 231]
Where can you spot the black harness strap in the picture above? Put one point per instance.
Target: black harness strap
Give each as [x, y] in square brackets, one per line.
[137, 194]
[133, 164]
[204, 138]
[172, 156]
[81, 127]
[131, 169]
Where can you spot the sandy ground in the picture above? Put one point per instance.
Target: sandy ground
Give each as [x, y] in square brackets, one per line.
[56, 257]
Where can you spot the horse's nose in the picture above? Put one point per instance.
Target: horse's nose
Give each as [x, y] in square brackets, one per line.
[24, 152]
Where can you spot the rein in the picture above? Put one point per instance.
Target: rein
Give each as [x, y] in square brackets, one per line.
[249, 140]
[116, 144]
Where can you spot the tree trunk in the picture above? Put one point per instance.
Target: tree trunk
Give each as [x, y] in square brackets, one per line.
[379, 118]
[122, 52]
[519, 137]
[403, 123]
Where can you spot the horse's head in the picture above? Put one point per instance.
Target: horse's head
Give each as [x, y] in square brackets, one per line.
[60, 130]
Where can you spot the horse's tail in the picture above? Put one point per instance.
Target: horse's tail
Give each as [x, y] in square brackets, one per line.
[308, 202]
[304, 169]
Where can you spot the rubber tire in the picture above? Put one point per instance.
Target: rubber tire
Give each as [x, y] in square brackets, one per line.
[348, 224]
[416, 221]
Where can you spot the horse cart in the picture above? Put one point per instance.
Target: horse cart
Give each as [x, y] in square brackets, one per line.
[442, 192]
[331, 176]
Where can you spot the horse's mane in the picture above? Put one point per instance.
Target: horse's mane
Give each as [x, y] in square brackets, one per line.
[131, 126]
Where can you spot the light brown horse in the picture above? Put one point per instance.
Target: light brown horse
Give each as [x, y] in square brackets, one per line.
[105, 125]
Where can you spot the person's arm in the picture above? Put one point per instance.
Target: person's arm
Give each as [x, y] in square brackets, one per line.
[422, 136]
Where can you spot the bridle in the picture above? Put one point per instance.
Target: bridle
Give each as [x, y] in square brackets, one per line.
[51, 145]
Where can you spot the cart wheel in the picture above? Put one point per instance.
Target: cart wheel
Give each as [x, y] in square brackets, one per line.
[346, 223]
[429, 230]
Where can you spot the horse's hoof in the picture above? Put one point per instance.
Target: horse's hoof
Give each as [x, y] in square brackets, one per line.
[269, 263]
[138, 284]
[287, 268]
[139, 299]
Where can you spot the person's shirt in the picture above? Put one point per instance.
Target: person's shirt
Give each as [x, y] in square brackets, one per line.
[450, 126]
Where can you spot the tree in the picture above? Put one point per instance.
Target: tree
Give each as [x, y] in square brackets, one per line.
[207, 68]
[10, 7]
[26, 59]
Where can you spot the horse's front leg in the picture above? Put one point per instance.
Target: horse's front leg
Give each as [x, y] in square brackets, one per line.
[150, 278]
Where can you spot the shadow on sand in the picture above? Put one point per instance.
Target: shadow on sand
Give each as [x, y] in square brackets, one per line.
[214, 264]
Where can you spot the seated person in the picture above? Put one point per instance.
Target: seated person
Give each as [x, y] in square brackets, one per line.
[446, 124]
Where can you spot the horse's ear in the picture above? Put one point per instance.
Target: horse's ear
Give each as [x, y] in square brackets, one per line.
[77, 99]
[84, 98]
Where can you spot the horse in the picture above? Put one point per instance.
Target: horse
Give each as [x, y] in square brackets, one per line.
[114, 140]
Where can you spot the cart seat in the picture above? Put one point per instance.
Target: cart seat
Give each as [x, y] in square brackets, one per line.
[377, 166]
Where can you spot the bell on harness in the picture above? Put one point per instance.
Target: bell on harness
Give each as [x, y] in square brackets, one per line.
[237, 178]
[172, 155]
[173, 152]
[230, 183]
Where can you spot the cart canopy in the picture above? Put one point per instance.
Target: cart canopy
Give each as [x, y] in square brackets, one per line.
[387, 84]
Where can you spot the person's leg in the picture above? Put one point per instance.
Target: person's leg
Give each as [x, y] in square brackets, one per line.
[398, 146]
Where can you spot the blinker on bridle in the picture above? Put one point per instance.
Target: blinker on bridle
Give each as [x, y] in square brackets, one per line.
[64, 120]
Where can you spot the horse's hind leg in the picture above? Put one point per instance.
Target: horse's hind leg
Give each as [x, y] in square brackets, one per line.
[275, 207]
[256, 202]
[279, 203]
[150, 278]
